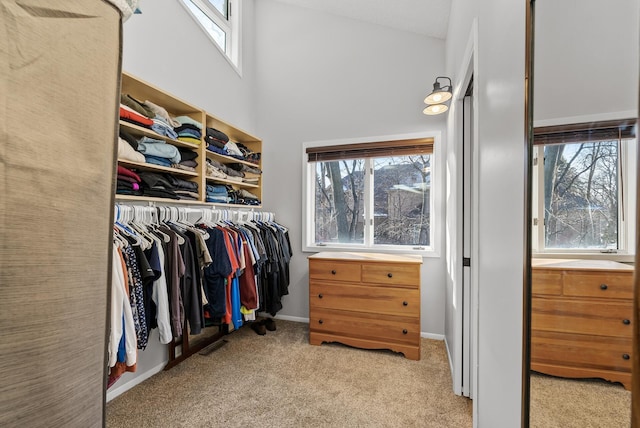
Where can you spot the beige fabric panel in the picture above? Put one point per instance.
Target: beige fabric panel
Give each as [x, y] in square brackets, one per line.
[59, 84]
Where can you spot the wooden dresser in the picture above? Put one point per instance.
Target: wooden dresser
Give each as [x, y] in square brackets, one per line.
[366, 300]
[581, 315]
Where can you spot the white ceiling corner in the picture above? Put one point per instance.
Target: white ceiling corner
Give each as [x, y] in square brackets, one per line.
[425, 17]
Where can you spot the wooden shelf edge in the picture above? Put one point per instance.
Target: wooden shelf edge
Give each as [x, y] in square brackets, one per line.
[133, 198]
[152, 134]
[237, 183]
[120, 197]
[158, 168]
[231, 159]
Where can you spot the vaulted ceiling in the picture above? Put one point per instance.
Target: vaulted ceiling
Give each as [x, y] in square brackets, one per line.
[426, 17]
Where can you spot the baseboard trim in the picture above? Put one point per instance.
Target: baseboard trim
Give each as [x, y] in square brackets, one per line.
[450, 357]
[294, 319]
[121, 389]
[432, 336]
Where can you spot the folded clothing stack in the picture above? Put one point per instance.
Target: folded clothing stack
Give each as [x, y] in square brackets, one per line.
[162, 127]
[158, 152]
[132, 110]
[217, 193]
[163, 123]
[160, 113]
[248, 154]
[189, 130]
[129, 115]
[188, 160]
[218, 170]
[128, 182]
[249, 174]
[155, 117]
[185, 190]
[215, 169]
[126, 151]
[157, 185]
[233, 150]
[245, 197]
[168, 186]
[216, 138]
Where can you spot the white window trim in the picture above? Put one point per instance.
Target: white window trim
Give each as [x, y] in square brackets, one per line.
[626, 228]
[437, 184]
[232, 27]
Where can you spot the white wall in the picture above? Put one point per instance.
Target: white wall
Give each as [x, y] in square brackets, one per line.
[589, 72]
[501, 143]
[323, 77]
[165, 46]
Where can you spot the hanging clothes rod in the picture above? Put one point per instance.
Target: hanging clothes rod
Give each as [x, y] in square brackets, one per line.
[156, 212]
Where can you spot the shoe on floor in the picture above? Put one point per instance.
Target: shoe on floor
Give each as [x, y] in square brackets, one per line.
[259, 328]
[269, 323]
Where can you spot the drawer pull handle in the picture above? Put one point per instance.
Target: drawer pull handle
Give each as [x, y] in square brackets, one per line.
[319, 296]
[404, 331]
[390, 275]
[320, 322]
[333, 272]
[625, 356]
[603, 286]
[405, 303]
[626, 322]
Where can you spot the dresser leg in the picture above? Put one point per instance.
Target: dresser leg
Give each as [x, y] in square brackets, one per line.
[313, 340]
[413, 354]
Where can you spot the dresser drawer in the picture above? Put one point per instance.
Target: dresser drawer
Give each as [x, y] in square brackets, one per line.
[362, 298]
[391, 273]
[582, 317]
[581, 352]
[547, 282]
[334, 271]
[365, 326]
[609, 285]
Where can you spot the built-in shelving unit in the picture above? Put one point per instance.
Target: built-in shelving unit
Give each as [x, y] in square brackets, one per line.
[144, 91]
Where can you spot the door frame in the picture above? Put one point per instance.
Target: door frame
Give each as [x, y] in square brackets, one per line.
[468, 313]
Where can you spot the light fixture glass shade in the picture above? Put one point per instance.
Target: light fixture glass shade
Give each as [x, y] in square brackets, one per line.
[435, 109]
[438, 96]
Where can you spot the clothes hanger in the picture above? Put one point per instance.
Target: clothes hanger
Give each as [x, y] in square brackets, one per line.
[138, 224]
[171, 223]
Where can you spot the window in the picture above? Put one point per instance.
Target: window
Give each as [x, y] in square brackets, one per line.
[220, 20]
[582, 204]
[371, 195]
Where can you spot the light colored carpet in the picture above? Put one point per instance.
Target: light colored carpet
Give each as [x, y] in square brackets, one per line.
[578, 403]
[279, 380]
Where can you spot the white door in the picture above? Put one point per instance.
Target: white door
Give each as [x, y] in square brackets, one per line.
[466, 347]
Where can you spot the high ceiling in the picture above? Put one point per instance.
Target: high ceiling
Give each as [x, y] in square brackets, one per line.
[426, 17]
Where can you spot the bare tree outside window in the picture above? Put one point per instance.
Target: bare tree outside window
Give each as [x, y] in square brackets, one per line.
[401, 200]
[401, 189]
[581, 195]
[339, 201]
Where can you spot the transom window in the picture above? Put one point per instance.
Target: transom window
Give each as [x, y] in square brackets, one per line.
[582, 203]
[220, 20]
[370, 195]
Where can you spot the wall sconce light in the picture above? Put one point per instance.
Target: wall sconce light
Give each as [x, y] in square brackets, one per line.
[438, 97]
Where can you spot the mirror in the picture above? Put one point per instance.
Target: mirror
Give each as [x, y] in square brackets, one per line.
[583, 198]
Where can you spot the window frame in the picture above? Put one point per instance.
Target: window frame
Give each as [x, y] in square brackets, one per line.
[231, 27]
[308, 198]
[627, 155]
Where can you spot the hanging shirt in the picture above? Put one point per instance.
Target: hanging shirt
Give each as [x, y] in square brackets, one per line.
[216, 273]
[120, 308]
[160, 297]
